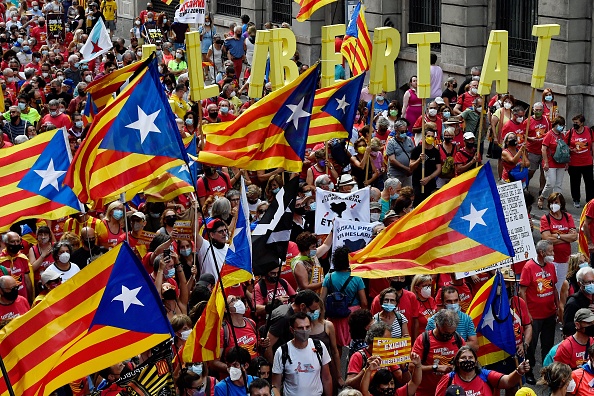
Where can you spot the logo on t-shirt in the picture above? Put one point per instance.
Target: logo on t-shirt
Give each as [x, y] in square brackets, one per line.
[306, 368]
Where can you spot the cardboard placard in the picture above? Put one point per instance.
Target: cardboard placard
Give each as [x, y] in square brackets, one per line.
[392, 351]
[146, 237]
[55, 26]
[182, 229]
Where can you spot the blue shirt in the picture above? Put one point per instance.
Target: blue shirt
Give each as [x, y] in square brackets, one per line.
[465, 326]
[227, 388]
[352, 290]
[235, 47]
[206, 40]
[377, 108]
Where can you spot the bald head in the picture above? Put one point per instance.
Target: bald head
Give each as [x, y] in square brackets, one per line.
[12, 238]
[7, 282]
[87, 233]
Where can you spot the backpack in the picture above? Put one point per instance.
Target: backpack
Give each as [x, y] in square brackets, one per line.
[447, 168]
[226, 332]
[426, 346]
[337, 305]
[561, 155]
[285, 356]
[224, 176]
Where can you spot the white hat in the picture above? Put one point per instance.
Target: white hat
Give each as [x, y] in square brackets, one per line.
[439, 100]
[346, 180]
[49, 275]
[468, 135]
[139, 214]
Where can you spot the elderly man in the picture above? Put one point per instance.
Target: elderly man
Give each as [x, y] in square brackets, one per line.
[573, 350]
[73, 72]
[17, 126]
[212, 114]
[324, 182]
[88, 251]
[56, 117]
[583, 298]
[390, 193]
[398, 151]
[236, 49]
[17, 264]
[11, 303]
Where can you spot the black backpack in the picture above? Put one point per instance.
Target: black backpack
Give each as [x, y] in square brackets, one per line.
[426, 346]
[223, 175]
[285, 356]
[337, 305]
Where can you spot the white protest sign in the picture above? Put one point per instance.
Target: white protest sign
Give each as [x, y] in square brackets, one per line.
[190, 11]
[353, 234]
[345, 206]
[518, 227]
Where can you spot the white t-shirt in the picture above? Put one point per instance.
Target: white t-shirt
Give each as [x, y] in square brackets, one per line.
[302, 376]
[206, 262]
[65, 275]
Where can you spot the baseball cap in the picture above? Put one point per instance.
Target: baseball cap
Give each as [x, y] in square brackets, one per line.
[140, 215]
[49, 275]
[439, 100]
[468, 135]
[584, 315]
[375, 205]
[455, 390]
[206, 280]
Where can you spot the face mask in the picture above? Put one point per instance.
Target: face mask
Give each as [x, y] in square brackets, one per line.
[361, 150]
[314, 315]
[559, 128]
[330, 187]
[137, 23]
[302, 335]
[469, 145]
[394, 196]
[137, 226]
[44, 240]
[149, 19]
[26, 48]
[474, 91]
[478, 109]
[388, 307]
[14, 249]
[184, 336]
[271, 279]
[275, 190]
[507, 105]
[583, 265]
[432, 112]
[555, 208]
[379, 98]
[589, 289]
[549, 259]
[197, 368]
[64, 257]
[88, 78]
[117, 214]
[512, 142]
[234, 373]
[11, 295]
[538, 114]
[53, 113]
[446, 114]
[179, 56]
[387, 391]
[239, 307]
[394, 113]
[467, 365]
[448, 139]
[403, 135]
[233, 94]
[571, 386]
[78, 124]
[426, 292]
[170, 273]
[22, 106]
[398, 285]
[374, 217]
[322, 163]
[430, 140]
[312, 206]
[169, 294]
[164, 20]
[549, 98]
[312, 253]
[189, 122]
[186, 252]
[212, 114]
[224, 110]
[453, 307]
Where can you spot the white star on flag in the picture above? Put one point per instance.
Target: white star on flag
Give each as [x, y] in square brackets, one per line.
[50, 176]
[128, 297]
[489, 319]
[342, 104]
[145, 123]
[297, 113]
[475, 217]
[235, 234]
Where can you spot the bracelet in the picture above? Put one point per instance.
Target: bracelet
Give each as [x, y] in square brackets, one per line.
[518, 371]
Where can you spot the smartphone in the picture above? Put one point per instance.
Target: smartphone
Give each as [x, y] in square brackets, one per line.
[167, 253]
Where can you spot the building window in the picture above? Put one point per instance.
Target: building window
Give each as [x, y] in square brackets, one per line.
[229, 7]
[425, 16]
[281, 11]
[517, 17]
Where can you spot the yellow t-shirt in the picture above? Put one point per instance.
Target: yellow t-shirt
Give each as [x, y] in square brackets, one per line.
[179, 106]
[109, 9]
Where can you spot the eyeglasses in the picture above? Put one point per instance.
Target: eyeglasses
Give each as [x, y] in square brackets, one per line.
[222, 232]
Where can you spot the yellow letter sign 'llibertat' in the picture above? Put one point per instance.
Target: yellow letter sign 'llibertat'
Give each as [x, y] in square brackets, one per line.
[494, 64]
[283, 69]
[194, 59]
[423, 42]
[386, 47]
[330, 58]
[544, 34]
[259, 64]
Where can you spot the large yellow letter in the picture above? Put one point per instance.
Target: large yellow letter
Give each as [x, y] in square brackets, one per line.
[283, 69]
[330, 58]
[423, 42]
[495, 64]
[259, 64]
[147, 50]
[194, 56]
[544, 34]
[386, 46]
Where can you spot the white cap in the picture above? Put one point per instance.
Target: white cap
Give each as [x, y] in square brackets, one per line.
[468, 135]
[439, 100]
[49, 275]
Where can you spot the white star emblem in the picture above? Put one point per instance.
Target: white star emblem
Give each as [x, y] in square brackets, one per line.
[297, 113]
[475, 217]
[128, 297]
[145, 123]
[342, 104]
[50, 176]
[232, 246]
[489, 319]
[183, 169]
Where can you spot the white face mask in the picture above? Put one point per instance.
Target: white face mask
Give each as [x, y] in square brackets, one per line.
[432, 112]
[507, 105]
[520, 119]
[549, 259]
[234, 373]
[426, 292]
[571, 386]
[555, 208]
[239, 307]
[375, 217]
[64, 257]
[185, 334]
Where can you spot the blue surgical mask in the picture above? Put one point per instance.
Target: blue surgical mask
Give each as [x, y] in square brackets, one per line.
[403, 135]
[589, 289]
[394, 197]
[22, 105]
[189, 121]
[379, 98]
[197, 369]
[548, 98]
[78, 124]
[560, 128]
[170, 273]
[330, 187]
[117, 214]
[312, 206]
[453, 307]
[275, 190]
[224, 109]
[185, 252]
[155, 215]
[583, 265]
[446, 114]
[388, 307]
[313, 252]
[314, 315]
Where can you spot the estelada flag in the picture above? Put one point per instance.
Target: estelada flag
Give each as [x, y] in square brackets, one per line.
[31, 176]
[357, 46]
[460, 227]
[271, 133]
[308, 7]
[107, 313]
[130, 143]
[334, 110]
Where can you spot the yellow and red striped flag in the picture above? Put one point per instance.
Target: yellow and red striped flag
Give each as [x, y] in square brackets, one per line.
[582, 242]
[356, 46]
[308, 7]
[107, 313]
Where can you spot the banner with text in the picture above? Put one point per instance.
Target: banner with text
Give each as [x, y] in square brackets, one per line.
[190, 11]
[518, 226]
[353, 234]
[345, 206]
[393, 351]
[55, 26]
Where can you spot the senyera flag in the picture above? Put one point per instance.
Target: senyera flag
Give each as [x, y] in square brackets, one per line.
[460, 227]
[308, 7]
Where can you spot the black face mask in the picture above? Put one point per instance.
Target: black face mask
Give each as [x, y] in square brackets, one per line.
[467, 365]
[576, 126]
[271, 279]
[14, 119]
[208, 171]
[387, 391]
[169, 294]
[220, 42]
[469, 146]
[455, 85]
[512, 142]
[41, 24]
[217, 244]
[170, 220]
[590, 331]
[11, 295]
[398, 285]
[212, 114]
[300, 210]
[91, 243]
[14, 249]
[448, 140]
[54, 90]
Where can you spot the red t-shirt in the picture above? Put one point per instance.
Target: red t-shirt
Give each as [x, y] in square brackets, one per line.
[18, 266]
[444, 154]
[481, 385]
[426, 310]
[438, 121]
[286, 270]
[518, 129]
[521, 317]
[443, 351]
[540, 292]
[562, 250]
[406, 305]
[466, 100]
[572, 352]
[580, 145]
[59, 121]
[247, 337]
[464, 294]
[280, 291]
[19, 307]
[550, 142]
[463, 157]
[217, 187]
[40, 34]
[537, 129]
[227, 117]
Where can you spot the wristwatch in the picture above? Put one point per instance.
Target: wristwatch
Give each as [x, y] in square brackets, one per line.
[558, 236]
[435, 368]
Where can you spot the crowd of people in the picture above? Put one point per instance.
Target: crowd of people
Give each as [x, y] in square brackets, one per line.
[280, 335]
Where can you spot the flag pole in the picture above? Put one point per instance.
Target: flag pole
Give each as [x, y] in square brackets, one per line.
[479, 143]
[6, 378]
[423, 145]
[269, 315]
[528, 120]
[370, 132]
[123, 199]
